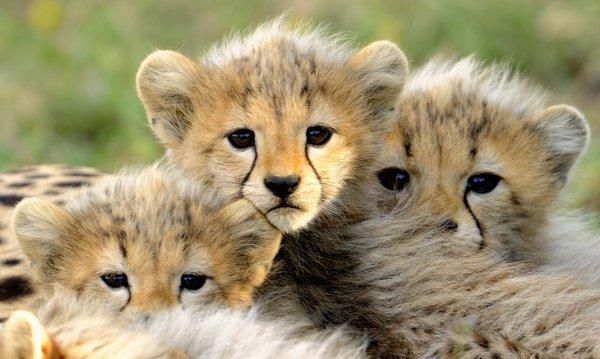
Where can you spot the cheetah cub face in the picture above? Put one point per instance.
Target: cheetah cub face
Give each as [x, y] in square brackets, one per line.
[142, 242]
[480, 149]
[279, 117]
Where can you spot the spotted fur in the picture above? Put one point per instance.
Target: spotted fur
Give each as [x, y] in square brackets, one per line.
[52, 182]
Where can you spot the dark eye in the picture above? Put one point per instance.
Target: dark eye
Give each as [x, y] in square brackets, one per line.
[192, 281]
[241, 138]
[393, 178]
[483, 182]
[115, 280]
[318, 135]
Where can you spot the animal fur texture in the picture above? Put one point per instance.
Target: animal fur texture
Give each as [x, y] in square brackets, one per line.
[276, 81]
[425, 282]
[143, 240]
[304, 107]
[84, 329]
[460, 125]
[454, 120]
[53, 182]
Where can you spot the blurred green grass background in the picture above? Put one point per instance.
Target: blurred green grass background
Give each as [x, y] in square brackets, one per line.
[67, 67]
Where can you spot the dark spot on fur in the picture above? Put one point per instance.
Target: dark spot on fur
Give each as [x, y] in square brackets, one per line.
[540, 329]
[247, 92]
[10, 200]
[475, 131]
[51, 192]
[119, 219]
[59, 203]
[19, 184]
[37, 176]
[450, 225]
[514, 199]
[3, 319]
[313, 66]
[481, 341]
[304, 90]
[122, 235]
[153, 121]
[408, 146]
[11, 262]
[2, 240]
[81, 174]
[473, 151]
[14, 287]
[123, 249]
[71, 184]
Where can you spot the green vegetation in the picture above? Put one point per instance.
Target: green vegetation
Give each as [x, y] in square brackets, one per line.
[67, 67]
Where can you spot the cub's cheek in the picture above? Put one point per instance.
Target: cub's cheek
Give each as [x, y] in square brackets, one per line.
[332, 163]
[114, 300]
[208, 295]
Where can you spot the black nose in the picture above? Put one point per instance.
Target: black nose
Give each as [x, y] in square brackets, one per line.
[282, 186]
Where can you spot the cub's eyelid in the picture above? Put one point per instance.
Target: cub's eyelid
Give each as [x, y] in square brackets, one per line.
[329, 127]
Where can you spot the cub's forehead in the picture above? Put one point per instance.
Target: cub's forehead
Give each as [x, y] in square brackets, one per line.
[276, 43]
[143, 203]
[274, 60]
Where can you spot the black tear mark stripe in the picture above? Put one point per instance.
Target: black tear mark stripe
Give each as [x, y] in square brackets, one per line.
[128, 299]
[247, 176]
[10, 200]
[316, 173]
[13, 288]
[477, 223]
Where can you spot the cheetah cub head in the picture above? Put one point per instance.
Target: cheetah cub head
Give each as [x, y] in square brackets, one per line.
[482, 149]
[141, 242]
[281, 117]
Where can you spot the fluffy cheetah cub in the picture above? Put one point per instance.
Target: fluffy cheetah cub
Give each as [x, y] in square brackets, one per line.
[282, 116]
[482, 149]
[142, 241]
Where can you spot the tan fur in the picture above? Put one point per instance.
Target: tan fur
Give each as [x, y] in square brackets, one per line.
[52, 182]
[277, 82]
[426, 285]
[456, 119]
[154, 228]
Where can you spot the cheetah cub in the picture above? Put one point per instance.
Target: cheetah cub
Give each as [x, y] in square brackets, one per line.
[480, 148]
[142, 241]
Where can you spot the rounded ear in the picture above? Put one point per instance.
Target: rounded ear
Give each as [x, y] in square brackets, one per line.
[383, 67]
[37, 224]
[166, 82]
[25, 337]
[566, 135]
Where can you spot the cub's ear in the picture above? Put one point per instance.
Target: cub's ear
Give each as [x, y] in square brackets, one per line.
[166, 83]
[25, 337]
[383, 67]
[37, 224]
[566, 135]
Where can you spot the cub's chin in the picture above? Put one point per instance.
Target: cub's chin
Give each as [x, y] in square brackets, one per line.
[290, 219]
